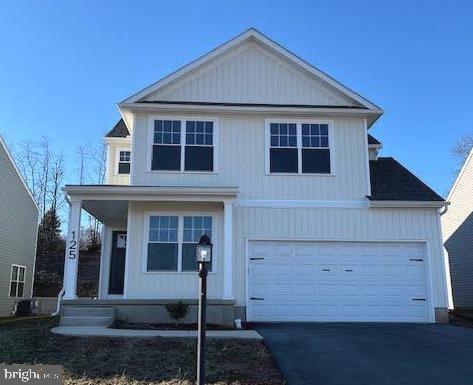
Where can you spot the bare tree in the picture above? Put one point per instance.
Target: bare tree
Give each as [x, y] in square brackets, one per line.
[57, 179]
[463, 146]
[42, 166]
[81, 155]
[461, 150]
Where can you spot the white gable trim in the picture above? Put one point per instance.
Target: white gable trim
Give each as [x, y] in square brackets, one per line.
[253, 34]
[460, 174]
[10, 157]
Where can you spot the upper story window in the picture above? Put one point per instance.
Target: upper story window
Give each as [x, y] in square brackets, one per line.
[183, 145]
[124, 161]
[17, 280]
[298, 148]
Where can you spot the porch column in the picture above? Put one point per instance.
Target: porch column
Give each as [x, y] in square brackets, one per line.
[71, 263]
[228, 251]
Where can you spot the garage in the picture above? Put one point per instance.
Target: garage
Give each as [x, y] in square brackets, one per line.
[337, 281]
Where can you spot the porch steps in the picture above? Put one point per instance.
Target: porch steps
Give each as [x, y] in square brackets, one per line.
[87, 316]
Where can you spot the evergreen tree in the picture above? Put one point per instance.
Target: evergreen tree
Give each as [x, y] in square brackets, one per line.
[49, 234]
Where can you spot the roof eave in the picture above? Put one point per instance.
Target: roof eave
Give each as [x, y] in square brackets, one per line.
[406, 204]
[370, 114]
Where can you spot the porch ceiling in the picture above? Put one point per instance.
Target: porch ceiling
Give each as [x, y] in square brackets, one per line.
[111, 213]
[109, 203]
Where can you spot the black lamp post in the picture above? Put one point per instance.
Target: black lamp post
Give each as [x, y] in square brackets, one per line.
[204, 257]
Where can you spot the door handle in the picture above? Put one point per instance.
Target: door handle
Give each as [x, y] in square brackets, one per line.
[256, 258]
[256, 299]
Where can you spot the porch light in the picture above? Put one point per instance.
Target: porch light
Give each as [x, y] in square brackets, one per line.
[204, 257]
[204, 250]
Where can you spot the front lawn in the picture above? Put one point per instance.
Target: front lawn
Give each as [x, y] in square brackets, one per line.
[121, 361]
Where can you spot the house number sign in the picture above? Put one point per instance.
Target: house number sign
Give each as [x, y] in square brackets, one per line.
[72, 246]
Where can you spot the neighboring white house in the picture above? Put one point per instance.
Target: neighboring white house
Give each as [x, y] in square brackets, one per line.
[457, 225]
[18, 232]
[271, 158]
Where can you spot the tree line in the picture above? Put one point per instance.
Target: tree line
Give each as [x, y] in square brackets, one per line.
[43, 167]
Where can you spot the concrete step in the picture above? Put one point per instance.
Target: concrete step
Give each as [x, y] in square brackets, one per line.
[69, 311]
[86, 321]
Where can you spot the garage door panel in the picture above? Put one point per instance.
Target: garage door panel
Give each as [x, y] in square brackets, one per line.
[337, 281]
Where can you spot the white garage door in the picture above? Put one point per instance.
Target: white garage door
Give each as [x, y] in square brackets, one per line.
[337, 281]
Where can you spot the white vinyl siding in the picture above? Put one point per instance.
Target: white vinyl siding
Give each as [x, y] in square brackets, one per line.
[314, 224]
[112, 158]
[251, 74]
[241, 162]
[162, 284]
[296, 223]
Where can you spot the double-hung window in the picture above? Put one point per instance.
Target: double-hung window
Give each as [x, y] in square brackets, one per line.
[124, 160]
[166, 145]
[298, 148]
[172, 240]
[183, 145]
[17, 281]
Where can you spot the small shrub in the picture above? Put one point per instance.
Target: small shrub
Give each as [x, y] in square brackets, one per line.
[177, 311]
[23, 308]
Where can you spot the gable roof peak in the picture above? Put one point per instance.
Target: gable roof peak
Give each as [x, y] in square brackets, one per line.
[253, 34]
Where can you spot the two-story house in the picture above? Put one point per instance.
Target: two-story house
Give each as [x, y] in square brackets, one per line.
[272, 159]
[18, 233]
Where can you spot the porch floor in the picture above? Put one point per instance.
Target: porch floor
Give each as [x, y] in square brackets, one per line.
[99, 331]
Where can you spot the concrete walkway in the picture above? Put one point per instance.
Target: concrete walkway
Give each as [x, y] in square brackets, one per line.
[100, 331]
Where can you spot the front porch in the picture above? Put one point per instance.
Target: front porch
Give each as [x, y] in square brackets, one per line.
[146, 259]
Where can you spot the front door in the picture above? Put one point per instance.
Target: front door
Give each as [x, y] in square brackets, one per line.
[117, 263]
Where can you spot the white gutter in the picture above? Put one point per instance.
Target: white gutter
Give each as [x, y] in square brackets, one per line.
[407, 204]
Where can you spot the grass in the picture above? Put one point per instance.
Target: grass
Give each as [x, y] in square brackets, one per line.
[122, 361]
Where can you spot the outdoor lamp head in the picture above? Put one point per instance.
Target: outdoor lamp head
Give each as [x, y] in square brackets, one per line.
[204, 250]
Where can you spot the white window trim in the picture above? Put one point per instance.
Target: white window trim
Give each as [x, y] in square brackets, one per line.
[180, 238]
[298, 122]
[182, 119]
[117, 159]
[18, 281]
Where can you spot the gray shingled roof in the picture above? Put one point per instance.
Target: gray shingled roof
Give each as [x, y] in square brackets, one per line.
[119, 131]
[373, 140]
[390, 181]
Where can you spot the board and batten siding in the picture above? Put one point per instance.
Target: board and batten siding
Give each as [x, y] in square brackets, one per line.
[111, 174]
[18, 230]
[169, 285]
[251, 74]
[258, 223]
[241, 163]
[367, 224]
[457, 226]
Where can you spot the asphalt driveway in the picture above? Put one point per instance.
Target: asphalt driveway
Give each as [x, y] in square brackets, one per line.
[371, 354]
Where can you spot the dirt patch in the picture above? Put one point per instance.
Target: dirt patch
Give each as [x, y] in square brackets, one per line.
[91, 360]
[119, 324]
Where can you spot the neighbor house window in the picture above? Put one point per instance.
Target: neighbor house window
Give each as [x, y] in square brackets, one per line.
[183, 145]
[124, 160]
[172, 241]
[299, 148]
[17, 281]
